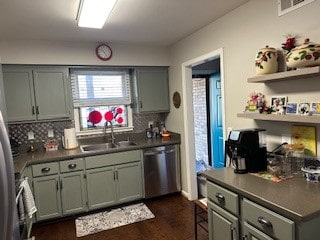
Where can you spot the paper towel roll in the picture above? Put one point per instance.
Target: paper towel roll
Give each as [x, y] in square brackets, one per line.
[70, 139]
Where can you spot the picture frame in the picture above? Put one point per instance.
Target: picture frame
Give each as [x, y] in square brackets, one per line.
[315, 108]
[305, 135]
[278, 104]
[292, 108]
[304, 108]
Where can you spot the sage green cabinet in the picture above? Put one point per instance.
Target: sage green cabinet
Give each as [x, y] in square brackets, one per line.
[232, 216]
[73, 193]
[47, 197]
[223, 213]
[260, 219]
[223, 225]
[36, 94]
[114, 178]
[129, 182]
[101, 187]
[151, 90]
[252, 233]
[59, 188]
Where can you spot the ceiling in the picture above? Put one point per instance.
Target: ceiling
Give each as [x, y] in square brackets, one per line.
[150, 22]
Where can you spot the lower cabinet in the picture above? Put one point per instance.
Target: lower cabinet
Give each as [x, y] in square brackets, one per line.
[47, 197]
[129, 182]
[114, 179]
[224, 226]
[78, 185]
[223, 213]
[73, 192]
[259, 219]
[57, 193]
[101, 187]
[231, 216]
[251, 233]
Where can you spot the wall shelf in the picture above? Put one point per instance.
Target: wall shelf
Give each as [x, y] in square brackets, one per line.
[281, 118]
[288, 75]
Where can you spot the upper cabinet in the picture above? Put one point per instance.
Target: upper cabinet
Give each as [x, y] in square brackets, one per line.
[37, 94]
[150, 90]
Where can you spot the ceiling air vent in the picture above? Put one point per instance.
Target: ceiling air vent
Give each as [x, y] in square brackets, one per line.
[286, 6]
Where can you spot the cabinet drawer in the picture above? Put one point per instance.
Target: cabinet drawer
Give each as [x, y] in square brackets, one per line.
[72, 165]
[223, 198]
[268, 221]
[112, 159]
[45, 169]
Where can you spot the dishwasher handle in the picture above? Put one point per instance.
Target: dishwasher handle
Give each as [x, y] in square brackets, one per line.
[154, 152]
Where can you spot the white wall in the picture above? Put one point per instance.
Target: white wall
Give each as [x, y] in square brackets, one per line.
[77, 53]
[241, 34]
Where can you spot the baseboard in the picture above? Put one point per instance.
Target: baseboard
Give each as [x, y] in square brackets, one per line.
[185, 194]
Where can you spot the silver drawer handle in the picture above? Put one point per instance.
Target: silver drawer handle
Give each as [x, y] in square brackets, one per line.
[220, 197]
[45, 170]
[72, 166]
[264, 222]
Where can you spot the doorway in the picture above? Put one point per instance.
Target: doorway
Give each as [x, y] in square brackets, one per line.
[189, 124]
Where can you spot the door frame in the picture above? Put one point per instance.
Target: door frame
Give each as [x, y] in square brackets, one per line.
[188, 122]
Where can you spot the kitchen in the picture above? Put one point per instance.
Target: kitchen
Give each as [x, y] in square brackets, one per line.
[262, 26]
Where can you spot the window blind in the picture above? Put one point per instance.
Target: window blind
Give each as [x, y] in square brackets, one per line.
[100, 87]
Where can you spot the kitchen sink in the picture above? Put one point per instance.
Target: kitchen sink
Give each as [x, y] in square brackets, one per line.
[125, 143]
[97, 147]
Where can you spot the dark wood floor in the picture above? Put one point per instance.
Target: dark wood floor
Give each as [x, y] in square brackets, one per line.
[174, 220]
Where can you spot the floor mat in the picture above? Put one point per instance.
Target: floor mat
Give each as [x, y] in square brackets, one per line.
[98, 222]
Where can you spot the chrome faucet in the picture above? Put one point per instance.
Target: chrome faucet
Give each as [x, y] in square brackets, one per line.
[105, 131]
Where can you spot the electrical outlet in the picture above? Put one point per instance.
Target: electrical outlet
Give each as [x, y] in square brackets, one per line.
[286, 138]
[30, 135]
[50, 133]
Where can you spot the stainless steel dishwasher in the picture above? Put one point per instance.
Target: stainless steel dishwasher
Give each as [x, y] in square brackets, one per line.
[161, 170]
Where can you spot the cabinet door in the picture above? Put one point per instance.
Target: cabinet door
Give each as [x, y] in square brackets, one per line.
[101, 187]
[152, 90]
[19, 94]
[222, 225]
[47, 197]
[251, 233]
[52, 93]
[73, 192]
[129, 182]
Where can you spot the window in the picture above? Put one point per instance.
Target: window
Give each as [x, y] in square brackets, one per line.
[101, 96]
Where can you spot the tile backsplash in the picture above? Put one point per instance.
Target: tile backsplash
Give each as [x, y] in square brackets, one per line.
[19, 132]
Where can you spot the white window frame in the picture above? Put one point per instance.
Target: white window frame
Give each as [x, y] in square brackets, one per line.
[77, 106]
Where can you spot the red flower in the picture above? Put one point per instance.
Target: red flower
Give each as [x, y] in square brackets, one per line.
[95, 117]
[108, 116]
[120, 120]
[119, 110]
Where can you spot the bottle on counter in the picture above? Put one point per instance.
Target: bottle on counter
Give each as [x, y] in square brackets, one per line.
[162, 128]
[149, 131]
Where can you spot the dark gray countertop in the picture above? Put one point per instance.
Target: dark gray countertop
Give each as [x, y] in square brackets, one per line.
[41, 156]
[294, 198]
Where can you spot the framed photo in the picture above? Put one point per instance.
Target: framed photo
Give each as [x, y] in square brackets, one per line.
[304, 108]
[315, 108]
[278, 104]
[292, 108]
[305, 135]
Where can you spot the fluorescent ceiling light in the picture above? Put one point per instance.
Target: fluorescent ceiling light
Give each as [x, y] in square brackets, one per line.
[94, 13]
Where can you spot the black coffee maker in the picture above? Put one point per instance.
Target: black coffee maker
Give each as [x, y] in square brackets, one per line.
[246, 150]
